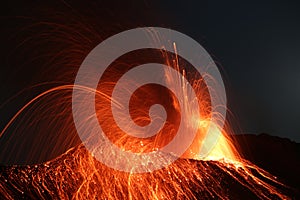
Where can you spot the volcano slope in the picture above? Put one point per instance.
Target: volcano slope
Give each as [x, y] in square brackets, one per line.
[76, 174]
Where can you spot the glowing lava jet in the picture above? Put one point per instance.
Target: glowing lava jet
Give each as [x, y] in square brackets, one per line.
[219, 172]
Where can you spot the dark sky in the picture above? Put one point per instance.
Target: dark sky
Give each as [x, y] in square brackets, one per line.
[257, 45]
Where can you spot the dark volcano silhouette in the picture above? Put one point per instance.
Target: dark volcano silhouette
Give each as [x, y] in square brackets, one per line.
[279, 156]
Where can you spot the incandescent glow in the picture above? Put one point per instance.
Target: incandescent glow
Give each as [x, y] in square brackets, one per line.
[200, 172]
[143, 116]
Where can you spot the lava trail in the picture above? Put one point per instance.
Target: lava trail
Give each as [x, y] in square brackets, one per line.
[77, 175]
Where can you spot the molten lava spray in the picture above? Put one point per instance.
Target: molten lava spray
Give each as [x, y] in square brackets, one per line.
[76, 174]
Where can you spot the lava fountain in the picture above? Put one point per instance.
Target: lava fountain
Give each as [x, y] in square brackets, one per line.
[220, 172]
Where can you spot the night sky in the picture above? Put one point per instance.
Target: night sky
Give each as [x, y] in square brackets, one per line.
[258, 46]
[255, 44]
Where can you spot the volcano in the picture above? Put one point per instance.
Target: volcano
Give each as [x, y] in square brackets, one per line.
[77, 175]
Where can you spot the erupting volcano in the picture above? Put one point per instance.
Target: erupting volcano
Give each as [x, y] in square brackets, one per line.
[76, 174]
[125, 163]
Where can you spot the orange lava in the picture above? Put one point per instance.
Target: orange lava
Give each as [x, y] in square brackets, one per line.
[78, 175]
